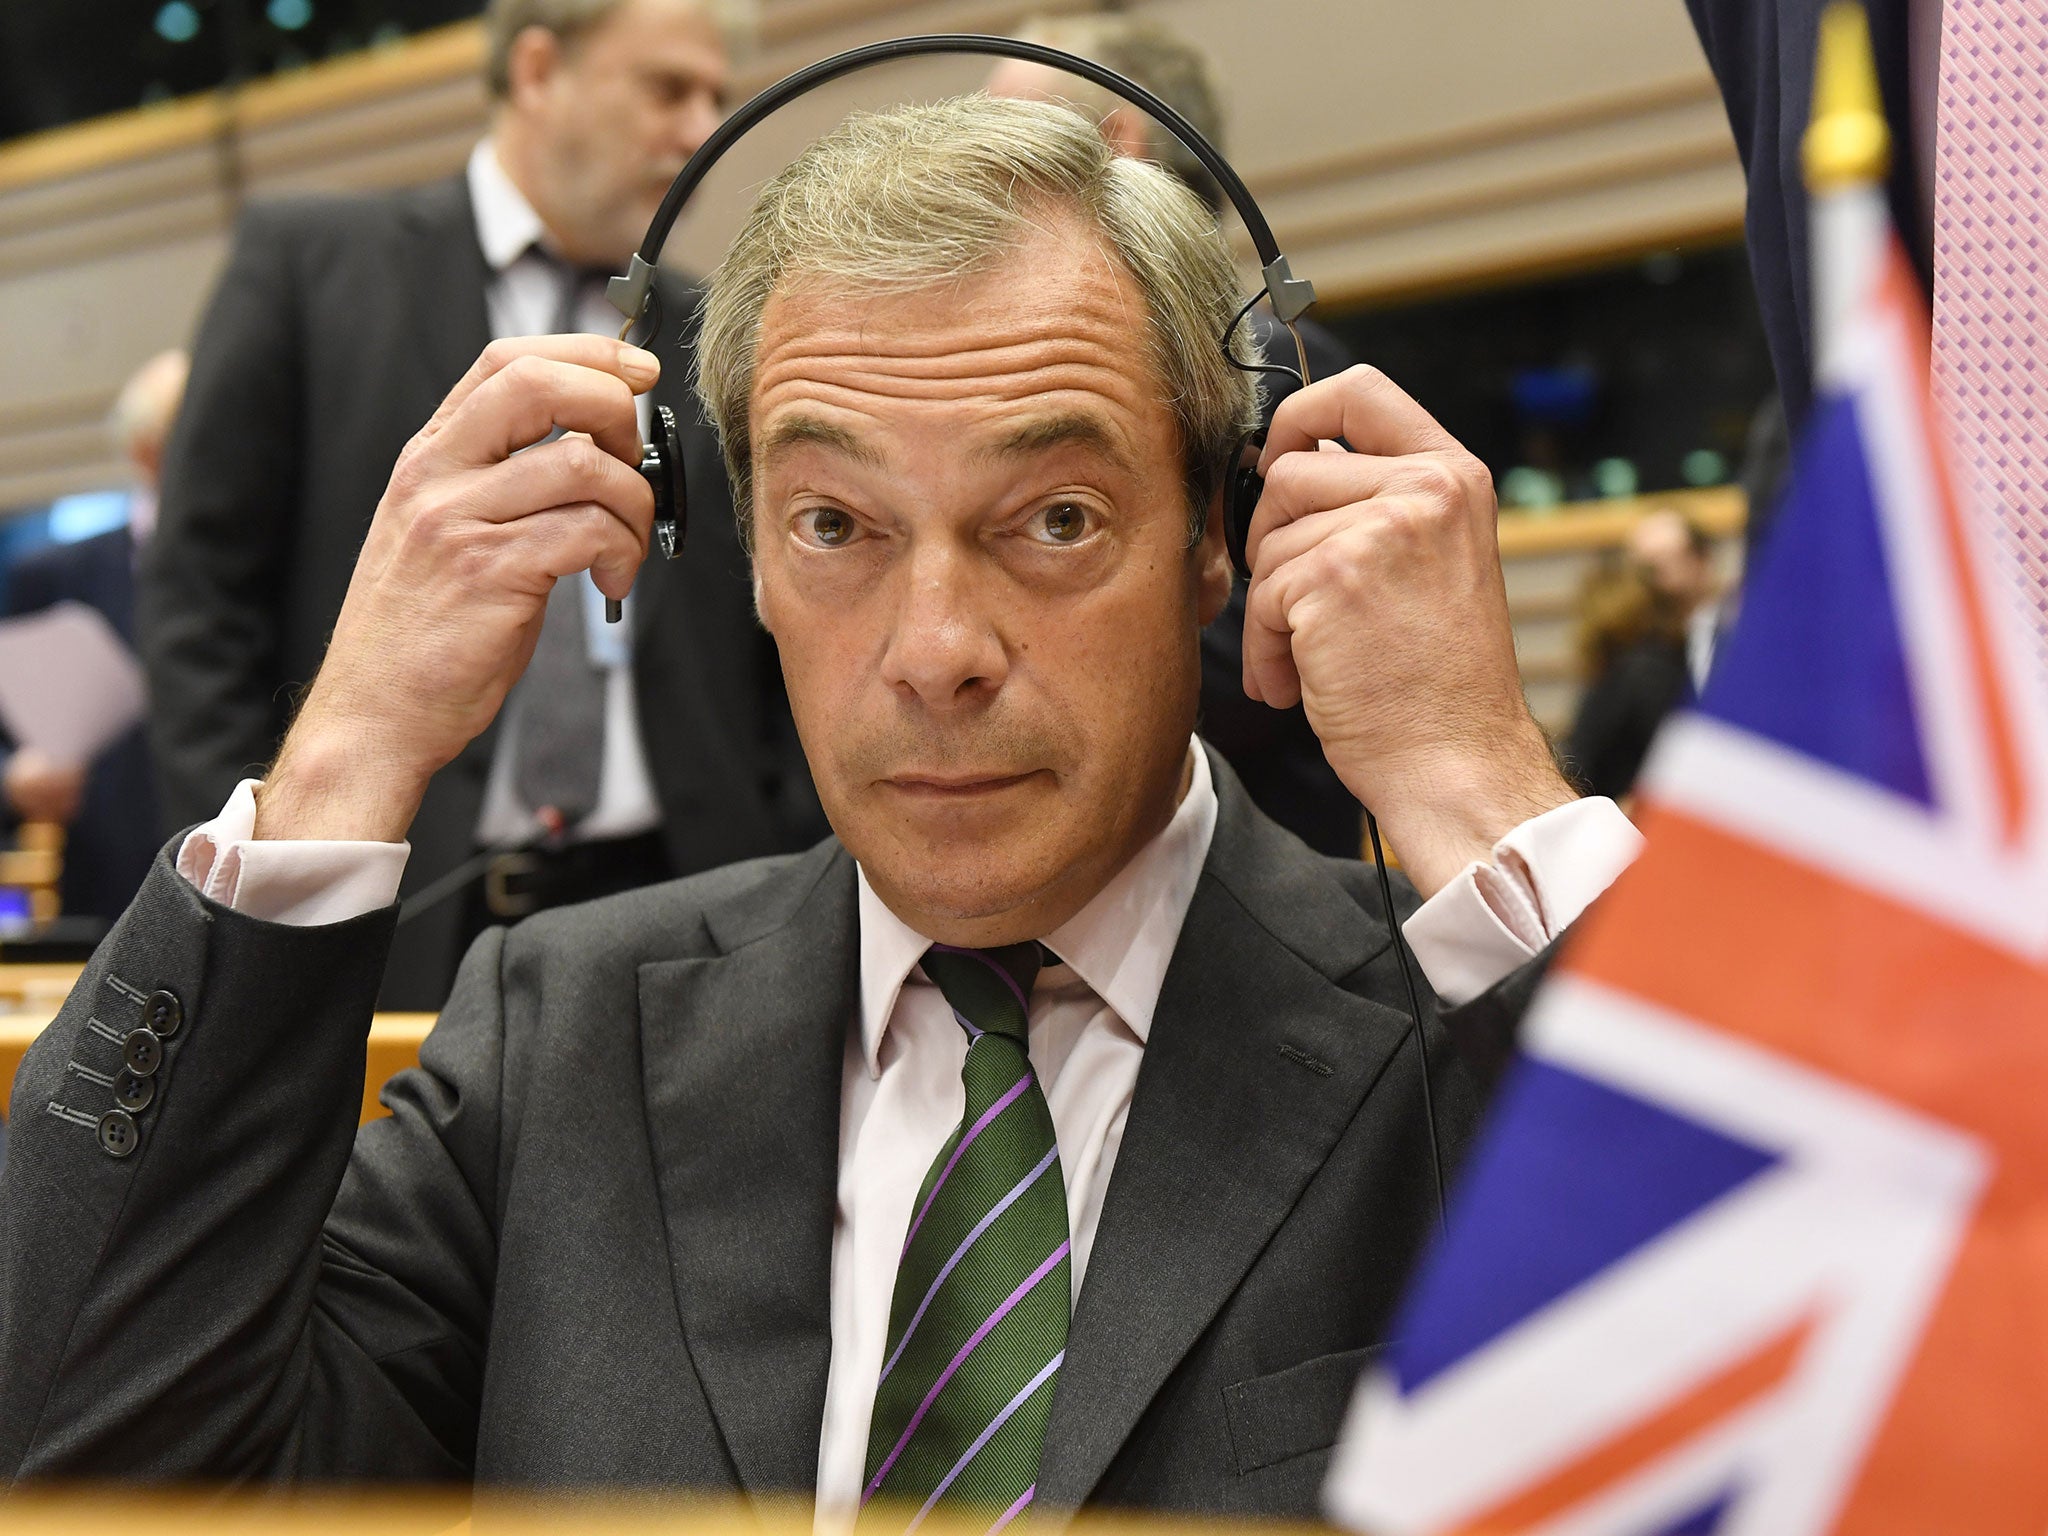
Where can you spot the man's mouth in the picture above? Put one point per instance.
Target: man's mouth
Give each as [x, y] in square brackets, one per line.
[956, 785]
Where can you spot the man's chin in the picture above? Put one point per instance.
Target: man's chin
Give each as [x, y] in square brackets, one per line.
[958, 901]
[964, 866]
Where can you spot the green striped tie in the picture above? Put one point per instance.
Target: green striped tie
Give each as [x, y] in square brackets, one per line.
[978, 1326]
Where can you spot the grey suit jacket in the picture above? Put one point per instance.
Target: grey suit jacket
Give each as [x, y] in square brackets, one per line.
[591, 1243]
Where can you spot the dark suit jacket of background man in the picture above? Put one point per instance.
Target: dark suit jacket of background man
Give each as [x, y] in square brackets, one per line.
[591, 1245]
[1762, 53]
[336, 331]
[108, 848]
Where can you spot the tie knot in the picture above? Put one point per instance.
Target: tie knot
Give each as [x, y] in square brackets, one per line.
[989, 989]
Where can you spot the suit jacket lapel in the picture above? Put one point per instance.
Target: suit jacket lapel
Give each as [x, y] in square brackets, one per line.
[743, 1054]
[450, 311]
[1257, 1062]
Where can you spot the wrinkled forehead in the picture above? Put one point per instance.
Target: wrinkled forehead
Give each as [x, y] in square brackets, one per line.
[1056, 323]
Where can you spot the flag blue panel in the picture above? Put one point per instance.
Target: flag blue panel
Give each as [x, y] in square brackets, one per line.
[1703, 1521]
[1815, 663]
[1571, 1176]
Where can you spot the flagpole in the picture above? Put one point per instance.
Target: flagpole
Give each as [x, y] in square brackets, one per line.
[1846, 152]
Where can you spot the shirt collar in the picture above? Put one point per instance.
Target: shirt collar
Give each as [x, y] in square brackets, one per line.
[1119, 944]
[506, 225]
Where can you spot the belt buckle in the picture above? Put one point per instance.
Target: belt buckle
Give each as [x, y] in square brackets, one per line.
[500, 898]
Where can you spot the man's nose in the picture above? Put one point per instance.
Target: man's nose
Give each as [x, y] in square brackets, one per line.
[944, 648]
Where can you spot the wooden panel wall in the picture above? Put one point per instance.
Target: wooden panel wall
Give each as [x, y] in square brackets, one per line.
[1399, 148]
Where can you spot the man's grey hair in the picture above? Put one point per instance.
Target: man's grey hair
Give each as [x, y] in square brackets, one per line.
[737, 21]
[1159, 59]
[918, 196]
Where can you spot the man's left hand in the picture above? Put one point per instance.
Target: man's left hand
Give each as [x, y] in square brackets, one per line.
[1377, 603]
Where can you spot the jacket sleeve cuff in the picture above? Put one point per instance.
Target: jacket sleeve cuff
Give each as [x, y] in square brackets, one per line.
[302, 884]
[1496, 916]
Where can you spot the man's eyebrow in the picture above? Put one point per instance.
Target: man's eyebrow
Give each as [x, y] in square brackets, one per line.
[1081, 429]
[802, 431]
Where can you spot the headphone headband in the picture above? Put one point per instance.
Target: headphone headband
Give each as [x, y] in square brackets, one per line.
[628, 294]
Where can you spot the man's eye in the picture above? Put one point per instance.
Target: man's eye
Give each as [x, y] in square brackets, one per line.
[828, 527]
[1063, 522]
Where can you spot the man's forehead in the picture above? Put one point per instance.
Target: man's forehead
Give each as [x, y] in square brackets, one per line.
[1040, 424]
[1045, 346]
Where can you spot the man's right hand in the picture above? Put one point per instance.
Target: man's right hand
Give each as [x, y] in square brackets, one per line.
[453, 580]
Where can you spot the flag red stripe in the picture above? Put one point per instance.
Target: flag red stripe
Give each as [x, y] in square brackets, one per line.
[1643, 1442]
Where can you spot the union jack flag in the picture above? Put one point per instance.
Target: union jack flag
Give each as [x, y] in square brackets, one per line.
[1757, 1237]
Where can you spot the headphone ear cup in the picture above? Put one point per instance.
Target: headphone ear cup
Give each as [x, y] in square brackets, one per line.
[661, 464]
[1241, 499]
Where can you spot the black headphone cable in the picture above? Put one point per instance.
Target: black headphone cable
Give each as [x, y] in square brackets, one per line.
[1302, 378]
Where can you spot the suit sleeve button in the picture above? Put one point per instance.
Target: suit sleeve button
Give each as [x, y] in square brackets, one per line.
[143, 1052]
[163, 1013]
[117, 1133]
[133, 1091]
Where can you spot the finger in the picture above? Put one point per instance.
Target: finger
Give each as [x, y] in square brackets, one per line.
[558, 542]
[1302, 484]
[566, 472]
[1284, 572]
[1361, 405]
[1295, 539]
[1269, 672]
[532, 396]
[638, 368]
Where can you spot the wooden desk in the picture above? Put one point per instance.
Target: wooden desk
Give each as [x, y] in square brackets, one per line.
[89, 1511]
[36, 986]
[34, 993]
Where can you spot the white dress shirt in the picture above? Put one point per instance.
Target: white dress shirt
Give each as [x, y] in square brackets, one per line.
[524, 299]
[901, 1095]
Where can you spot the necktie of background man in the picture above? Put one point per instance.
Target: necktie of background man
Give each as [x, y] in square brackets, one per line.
[1990, 282]
[978, 1321]
[558, 751]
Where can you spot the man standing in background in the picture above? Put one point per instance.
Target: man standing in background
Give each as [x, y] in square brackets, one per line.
[108, 806]
[1963, 85]
[653, 748]
[1274, 751]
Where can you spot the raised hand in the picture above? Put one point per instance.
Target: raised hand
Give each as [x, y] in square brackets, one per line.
[453, 579]
[1377, 602]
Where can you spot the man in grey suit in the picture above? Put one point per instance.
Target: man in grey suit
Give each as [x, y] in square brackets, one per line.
[1053, 1135]
[337, 327]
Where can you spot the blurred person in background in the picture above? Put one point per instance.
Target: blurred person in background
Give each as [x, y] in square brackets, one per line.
[1639, 626]
[634, 752]
[1274, 752]
[108, 806]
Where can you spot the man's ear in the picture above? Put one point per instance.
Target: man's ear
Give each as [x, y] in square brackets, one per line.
[530, 64]
[1212, 562]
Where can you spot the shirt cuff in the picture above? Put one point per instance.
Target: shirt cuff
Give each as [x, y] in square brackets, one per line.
[1495, 916]
[299, 883]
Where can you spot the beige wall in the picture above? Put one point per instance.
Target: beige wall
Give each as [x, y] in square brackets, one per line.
[1398, 147]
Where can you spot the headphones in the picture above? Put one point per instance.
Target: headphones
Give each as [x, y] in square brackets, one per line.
[634, 295]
